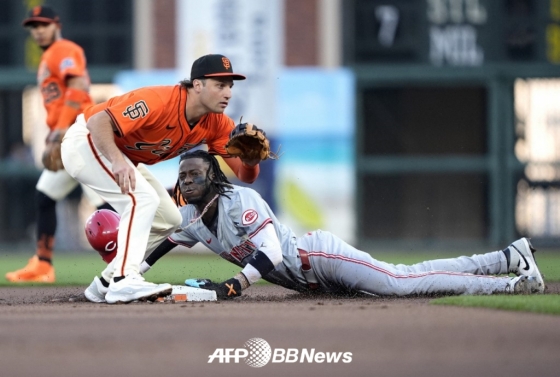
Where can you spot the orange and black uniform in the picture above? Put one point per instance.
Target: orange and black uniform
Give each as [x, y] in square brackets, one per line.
[151, 126]
[62, 60]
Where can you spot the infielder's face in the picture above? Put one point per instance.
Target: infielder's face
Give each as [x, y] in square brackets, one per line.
[215, 95]
[43, 33]
[193, 180]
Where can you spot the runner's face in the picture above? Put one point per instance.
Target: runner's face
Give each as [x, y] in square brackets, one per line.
[193, 180]
[215, 95]
[44, 34]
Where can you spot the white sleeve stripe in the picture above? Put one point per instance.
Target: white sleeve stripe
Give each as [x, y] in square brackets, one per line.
[180, 243]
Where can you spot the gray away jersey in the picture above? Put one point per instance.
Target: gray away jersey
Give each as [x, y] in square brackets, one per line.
[240, 217]
[337, 266]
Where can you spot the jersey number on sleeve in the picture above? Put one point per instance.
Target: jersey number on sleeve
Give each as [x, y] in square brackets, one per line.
[156, 148]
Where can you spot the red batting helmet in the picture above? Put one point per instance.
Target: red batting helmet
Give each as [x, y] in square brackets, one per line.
[102, 229]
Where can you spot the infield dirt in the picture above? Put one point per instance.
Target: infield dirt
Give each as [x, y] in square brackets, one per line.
[53, 331]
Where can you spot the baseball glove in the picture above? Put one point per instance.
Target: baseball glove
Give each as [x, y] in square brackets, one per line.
[52, 159]
[249, 143]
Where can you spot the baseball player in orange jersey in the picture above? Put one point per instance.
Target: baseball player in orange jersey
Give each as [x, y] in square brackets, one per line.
[64, 83]
[107, 147]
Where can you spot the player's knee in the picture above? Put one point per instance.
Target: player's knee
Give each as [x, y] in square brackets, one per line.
[399, 287]
[167, 221]
[43, 201]
[170, 222]
[175, 218]
[148, 200]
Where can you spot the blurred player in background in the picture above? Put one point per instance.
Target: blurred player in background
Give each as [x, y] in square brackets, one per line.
[64, 83]
[108, 146]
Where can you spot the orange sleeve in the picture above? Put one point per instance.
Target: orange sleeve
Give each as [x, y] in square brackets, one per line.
[137, 109]
[223, 127]
[73, 99]
[69, 60]
[245, 173]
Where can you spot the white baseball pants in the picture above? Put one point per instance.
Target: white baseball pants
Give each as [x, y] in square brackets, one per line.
[335, 262]
[148, 215]
[57, 185]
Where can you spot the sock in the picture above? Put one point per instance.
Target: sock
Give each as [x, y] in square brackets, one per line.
[106, 206]
[46, 226]
[104, 282]
[144, 267]
[45, 248]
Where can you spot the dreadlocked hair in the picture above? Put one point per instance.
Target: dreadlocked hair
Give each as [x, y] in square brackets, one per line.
[220, 183]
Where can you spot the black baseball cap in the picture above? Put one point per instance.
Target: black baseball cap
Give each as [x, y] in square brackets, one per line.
[213, 65]
[41, 13]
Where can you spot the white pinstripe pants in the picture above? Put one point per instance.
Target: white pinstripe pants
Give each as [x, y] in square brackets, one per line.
[337, 264]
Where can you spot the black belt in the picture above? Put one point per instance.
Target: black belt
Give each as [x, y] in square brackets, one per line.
[306, 266]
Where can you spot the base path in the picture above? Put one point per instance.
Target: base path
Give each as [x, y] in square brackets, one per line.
[385, 336]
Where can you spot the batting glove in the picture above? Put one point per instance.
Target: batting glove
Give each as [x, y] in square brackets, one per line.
[228, 289]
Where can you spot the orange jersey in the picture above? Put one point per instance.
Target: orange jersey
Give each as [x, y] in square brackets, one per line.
[61, 60]
[152, 125]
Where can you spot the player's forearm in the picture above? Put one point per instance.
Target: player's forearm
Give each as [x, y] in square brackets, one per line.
[101, 129]
[165, 247]
[75, 94]
[260, 265]
[244, 172]
[248, 174]
[266, 258]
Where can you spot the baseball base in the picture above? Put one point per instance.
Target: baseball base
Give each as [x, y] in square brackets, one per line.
[182, 293]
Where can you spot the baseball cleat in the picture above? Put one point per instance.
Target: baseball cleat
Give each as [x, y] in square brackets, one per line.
[36, 271]
[134, 287]
[96, 291]
[524, 285]
[522, 260]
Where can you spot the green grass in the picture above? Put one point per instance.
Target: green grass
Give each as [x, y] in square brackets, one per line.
[549, 265]
[79, 269]
[545, 304]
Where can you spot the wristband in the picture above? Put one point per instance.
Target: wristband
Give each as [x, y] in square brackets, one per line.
[262, 263]
[245, 283]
